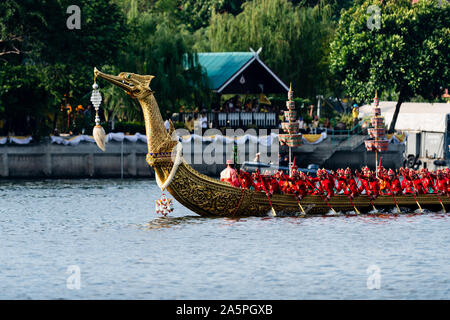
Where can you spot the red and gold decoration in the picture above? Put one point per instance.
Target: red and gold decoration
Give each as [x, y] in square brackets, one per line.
[291, 137]
[377, 132]
[164, 205]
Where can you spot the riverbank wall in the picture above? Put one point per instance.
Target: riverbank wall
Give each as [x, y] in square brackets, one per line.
[127, 159]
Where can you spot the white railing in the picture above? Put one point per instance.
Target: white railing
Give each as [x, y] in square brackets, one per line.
[271, 119]
[260, 119]
[233, 119]
[222, 118]
[239, 119]
[247, 118]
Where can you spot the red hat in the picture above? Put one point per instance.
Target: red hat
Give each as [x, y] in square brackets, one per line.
[293, 165]
[391, 172]
[230, 161]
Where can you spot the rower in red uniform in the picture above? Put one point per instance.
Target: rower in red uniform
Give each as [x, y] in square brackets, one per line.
[415, 182]
[407, 186]
[441, 182]
[395, 187]
[383, 180]
[447, 179]
[314, 184]
[273, 187]
[350, 183]
[281, 180]
[257, 182]
[427, 184]
[301, 185]
[341, 181]
[246, 180]
[270, 183]
[374, 186]
[326, 184]
[364, 178]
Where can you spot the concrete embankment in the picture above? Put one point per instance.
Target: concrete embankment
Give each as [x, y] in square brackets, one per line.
[127, 159]
[46, 160]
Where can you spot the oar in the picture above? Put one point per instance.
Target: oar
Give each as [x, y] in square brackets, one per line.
[324, 200]
[267, 194]
[418, 204]
[434, 187]
[395, 201]
[300, 206]
[414, 193]
[370, 200]
[351, 202]
[298, 201]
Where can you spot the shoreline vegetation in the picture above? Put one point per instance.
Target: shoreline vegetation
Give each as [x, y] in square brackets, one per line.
[325, 48]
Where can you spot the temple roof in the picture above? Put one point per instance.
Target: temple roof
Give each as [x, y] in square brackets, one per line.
[239, 72]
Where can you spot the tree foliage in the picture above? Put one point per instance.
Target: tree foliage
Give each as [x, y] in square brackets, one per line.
[43, 64]
[294, 39]
[408, 53]
[51, 62]
[157, 45]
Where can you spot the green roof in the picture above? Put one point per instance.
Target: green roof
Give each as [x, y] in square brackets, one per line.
[221, 66]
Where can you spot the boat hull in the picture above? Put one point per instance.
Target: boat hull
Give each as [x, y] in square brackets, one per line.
[210, 197]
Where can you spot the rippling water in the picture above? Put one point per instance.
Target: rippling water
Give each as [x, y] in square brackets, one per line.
[108, 229]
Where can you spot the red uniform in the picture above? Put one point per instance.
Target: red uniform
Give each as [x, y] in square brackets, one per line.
[301, 188]
[272, 186]
[417, 185]
[314, 187]
[426, 185]
[246, 180]
[341, 185]
[374, 187]
[257, 182]
[395, 186]
[407, 186]
[441, 185]
[352, 188]
[327, 187]
[364, 185]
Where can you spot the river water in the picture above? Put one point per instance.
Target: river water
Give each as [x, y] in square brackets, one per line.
[101, 239]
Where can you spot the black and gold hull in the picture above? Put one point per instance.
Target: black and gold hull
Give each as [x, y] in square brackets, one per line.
[210, 197]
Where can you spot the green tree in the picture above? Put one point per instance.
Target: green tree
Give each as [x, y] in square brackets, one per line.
[408, 53]
[294, 40]
[42, 61]
[195, 14]
[158, 45]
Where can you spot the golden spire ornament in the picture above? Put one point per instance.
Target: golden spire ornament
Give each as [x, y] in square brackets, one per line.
[98, 132]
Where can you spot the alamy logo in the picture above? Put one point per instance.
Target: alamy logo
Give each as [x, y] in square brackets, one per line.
[74, 20]
[374, 278]
[374, 21]
[74, 279]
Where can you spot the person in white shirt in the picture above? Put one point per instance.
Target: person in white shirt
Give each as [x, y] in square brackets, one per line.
[301, 123]
[203, 121]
